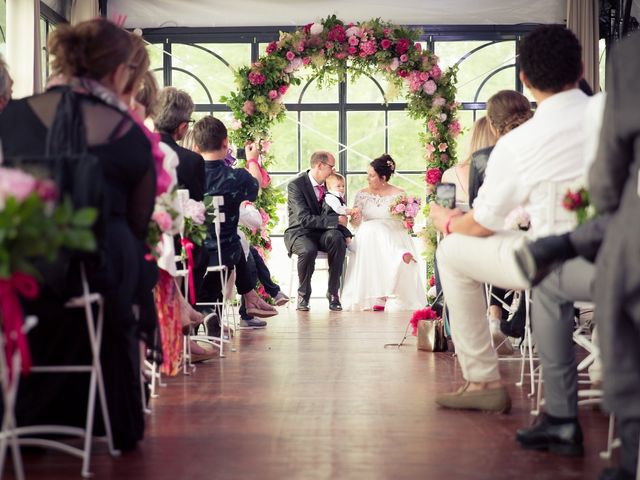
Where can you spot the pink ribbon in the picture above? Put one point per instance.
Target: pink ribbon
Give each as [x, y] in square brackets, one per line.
[188, 246]
[12, 318]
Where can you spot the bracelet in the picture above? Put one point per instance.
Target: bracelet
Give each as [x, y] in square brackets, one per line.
[447, 225]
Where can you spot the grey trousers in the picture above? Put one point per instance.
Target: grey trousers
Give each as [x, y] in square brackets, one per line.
[552, 321]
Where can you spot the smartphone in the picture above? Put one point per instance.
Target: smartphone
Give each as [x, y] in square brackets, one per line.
[241, 154]
[446, 195]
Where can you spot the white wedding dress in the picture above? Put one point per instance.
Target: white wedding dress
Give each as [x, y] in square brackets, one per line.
[375, 269]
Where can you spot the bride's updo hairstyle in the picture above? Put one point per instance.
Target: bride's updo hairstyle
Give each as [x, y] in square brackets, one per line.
[384, 166]
[91, 49]
[507, 110]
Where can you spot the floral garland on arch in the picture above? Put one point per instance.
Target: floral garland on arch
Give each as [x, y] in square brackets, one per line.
[327, 50]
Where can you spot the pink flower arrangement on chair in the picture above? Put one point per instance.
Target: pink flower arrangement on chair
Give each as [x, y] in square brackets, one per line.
[424, 314]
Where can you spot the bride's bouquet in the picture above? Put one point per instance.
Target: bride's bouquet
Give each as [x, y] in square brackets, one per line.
[406, 207]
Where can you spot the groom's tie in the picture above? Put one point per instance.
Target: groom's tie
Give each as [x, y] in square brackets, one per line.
[320, 192]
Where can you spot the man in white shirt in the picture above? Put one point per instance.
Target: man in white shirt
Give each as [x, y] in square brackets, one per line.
[530, 166]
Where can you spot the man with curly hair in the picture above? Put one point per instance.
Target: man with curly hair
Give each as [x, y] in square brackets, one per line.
[531, 167]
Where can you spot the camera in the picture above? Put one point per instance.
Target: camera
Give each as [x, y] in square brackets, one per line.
[446, 195]
[241, 153]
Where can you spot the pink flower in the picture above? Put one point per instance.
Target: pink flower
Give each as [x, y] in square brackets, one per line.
[301, 46]
[352, 50]
[341, 55]
[272, 47]
[403, 73]
[236, 125]
[386, 32]
[439, 102]
[402, 45]
[265, 217]
[352, 31]
[353, 41]
[163, 219]
[265, 145]
[328, 45]
[256, 78]
[316, 29]
[444, 158]
[404, 57]
[399, 208]
[15, 183]
[435, 72]
[47, 190]
[430, 148]
[290, 55]
[443, 147]
[432, 280]
[431, 125]
[249, 107]
[418, 46]
[369, 47]
[282, 89]
[306, 60]
[385, 44]
[273, 94]
[454, 128]
[394, 64]
[429, 87]
[433, 176]
[337, 34]
[424, 76]
[195, 211]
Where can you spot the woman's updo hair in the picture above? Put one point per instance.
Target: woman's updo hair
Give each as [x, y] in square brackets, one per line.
[384, 166]
[507, 110]
[90, 49]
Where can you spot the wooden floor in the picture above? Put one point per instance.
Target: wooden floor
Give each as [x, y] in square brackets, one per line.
[316, 396]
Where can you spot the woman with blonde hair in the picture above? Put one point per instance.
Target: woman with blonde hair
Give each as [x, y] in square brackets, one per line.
[481, 137]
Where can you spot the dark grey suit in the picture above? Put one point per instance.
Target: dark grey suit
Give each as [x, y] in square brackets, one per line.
[613, 188]
[309, 231]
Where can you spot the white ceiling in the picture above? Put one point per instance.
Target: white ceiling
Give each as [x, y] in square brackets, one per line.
[217, 13]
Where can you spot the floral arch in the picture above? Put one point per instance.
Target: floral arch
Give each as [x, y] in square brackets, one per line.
[330, 48]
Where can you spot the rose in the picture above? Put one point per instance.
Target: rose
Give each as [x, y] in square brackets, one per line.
[282, 89]
[15, 183]
[429, 87]
[399, 208]
[385, 44]
[337, 34]
[403, 73]
[195, 211]
[264, 216]
[402, 45]
[404, 58]
[424, 76]
[316, 29]
[46, 190]
[306, 60]
[433, 176]
[352, 50]
[300, 47]
[353, 41]
[386, 32]
[163, 219]
[454, 128]
[249, 107]
[273, 94]
[435, 72]
[369, 47]
[418, 46]
[272, 47]
[290, 55]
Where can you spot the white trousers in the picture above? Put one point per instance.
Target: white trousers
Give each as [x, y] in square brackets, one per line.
[465, 263]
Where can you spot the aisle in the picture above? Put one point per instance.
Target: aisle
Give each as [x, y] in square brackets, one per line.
[316, 396]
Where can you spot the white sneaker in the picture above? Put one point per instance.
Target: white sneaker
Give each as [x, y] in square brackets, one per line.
[499, 340]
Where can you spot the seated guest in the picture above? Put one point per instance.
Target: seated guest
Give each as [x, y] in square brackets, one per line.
[90, 81]
[544, 153]
[236, 186]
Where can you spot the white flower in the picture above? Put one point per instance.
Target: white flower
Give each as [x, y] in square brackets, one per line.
[394, 64]
[443, 117]
[316, 29]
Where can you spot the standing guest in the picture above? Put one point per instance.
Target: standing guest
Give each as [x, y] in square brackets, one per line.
[88, 101]
[6, 85]
[310, 231]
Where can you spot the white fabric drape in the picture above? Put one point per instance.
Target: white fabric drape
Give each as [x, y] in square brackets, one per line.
[582, 19]
[82, 10]
[24, 51]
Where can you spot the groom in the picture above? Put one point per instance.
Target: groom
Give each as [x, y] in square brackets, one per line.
[310, 231]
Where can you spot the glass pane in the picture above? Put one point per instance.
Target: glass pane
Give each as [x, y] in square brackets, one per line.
[404, 144]
[602, 64]
[319, 131]
[466, 118]
[503, 80]
[475, 68]
[192, 86]
[355, 182]
[365, 90]
[285, 145]
[365, 139]
[44, 64]
[313, 94]
[281, 182]
[3, 28]
[212, 64]
[155, 57]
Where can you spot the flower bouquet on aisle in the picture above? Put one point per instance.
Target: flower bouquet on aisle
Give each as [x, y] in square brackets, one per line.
[406, 207]
[34, 226]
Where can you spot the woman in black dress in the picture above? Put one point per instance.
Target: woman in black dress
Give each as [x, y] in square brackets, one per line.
[92, 60]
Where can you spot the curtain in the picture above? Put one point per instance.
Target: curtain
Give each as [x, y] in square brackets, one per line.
[24, 51]
[582, 19]
[82, 10]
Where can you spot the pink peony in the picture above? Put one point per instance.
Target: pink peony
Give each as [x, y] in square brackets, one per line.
[433, 176]
[249, 107]
[282, 89]
[369, 47]
[429, 87]
[290, 55]
[273, 94]
[256, 78]
[402, 45]
[272, 47]
[15, 183]
[443, 147]
[399, 208]
[163, 219]
[404, 57]
[195, 211]
[337, 34]
[385, 44]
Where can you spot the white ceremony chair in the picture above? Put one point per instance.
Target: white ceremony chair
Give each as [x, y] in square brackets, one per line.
[11, 434]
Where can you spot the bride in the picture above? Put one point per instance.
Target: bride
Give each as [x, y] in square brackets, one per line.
[382, 272]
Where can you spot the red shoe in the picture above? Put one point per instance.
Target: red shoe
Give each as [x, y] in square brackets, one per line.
[378, 308]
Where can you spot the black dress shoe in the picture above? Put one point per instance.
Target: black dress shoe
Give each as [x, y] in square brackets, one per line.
[563, 439]
[303, 304]
[615, 474]
[539, 258]
[334, 303]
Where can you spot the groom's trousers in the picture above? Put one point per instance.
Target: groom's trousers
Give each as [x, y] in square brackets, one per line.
[306, 248]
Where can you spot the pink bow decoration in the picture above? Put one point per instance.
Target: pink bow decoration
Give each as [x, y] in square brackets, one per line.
[12, 317]
[188, 246]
